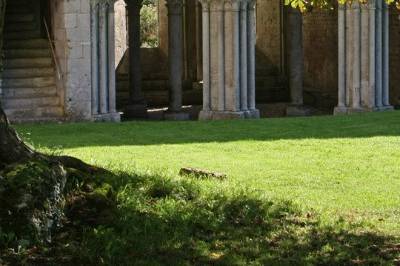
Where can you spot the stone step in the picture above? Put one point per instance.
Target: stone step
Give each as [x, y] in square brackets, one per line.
[30, 102]
[28, 62]
[10, 18]
[27, 53]
[32, 43]
[18, 10]
[36, 114]
[272, 94]
[266, 71]
[16, 3]
[148, 85]
[28, 72]
[267, 81]
[37, 82]
[20, 26]
[23, 35]
[28, 92]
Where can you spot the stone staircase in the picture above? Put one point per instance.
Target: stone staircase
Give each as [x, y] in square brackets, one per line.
[28, 89]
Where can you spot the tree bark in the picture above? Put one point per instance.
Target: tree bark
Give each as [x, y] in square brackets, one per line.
[12, 149]
[33, 185]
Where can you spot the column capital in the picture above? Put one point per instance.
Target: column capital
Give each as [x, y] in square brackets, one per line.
[234, 5]
[244, 5]
[341, 7]
[174, 6]
[134, 3]
[252, 4]
[370, 4]
[102, 2]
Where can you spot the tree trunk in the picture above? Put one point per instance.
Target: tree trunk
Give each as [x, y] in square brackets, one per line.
[33, 186]
[12, 149]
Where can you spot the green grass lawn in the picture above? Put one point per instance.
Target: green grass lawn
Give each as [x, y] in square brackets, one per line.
[344, 170]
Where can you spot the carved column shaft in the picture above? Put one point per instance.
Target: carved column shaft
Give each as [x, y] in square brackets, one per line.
[175, 53]
[137, 105]
[296, 56]
[251, 58]
[175, 57]
[342, 57]
[103, 60]
[206, 57]
[135, 73]
[95, 59]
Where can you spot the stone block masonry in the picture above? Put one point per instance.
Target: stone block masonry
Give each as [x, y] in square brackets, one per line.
[83, 32]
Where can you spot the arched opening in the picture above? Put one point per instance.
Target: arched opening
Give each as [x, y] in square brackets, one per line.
[149, 24]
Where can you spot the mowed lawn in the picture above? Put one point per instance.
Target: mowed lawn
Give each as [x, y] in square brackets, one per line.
[300, 191]
[339, 167]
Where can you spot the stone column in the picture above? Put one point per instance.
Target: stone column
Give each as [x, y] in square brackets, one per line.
[342, 58]
[94, 24]
[363, 58]
[199, 66]
[137, 107]
[103, 61]
[175, 56]
[251, 59]
[296, 64]
[357, 51]
[244, 101]
[111, 60]
[206, 57]
[378, 51]
[385, 55]
[228, 59]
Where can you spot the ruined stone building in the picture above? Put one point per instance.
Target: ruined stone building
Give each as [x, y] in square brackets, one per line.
[83, 60]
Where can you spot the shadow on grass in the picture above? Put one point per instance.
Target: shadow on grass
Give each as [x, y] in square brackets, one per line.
[154, 133]
[160, 221]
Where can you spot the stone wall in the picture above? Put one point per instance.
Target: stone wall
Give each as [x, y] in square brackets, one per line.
[120, 31]
[394, 57]
[71, 31]
[320, 58]
[269, 35]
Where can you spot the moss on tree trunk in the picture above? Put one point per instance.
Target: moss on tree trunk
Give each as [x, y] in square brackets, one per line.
[32, 185]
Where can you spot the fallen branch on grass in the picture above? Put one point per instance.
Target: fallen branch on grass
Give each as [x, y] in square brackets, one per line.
[201, 174]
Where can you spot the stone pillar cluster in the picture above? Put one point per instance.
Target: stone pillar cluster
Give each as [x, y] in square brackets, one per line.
[363, 57]
[103, 61]
[229, 36]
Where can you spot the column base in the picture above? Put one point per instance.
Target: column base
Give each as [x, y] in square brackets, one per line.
[298, 110]
[228, 115]
[176, 116]
[385, 108]
[110, 117]
[351, 110]
[340, 110]
[253, 114]
[136, 111]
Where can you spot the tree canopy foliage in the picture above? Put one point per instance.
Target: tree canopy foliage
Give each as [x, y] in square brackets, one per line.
[306, 5]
